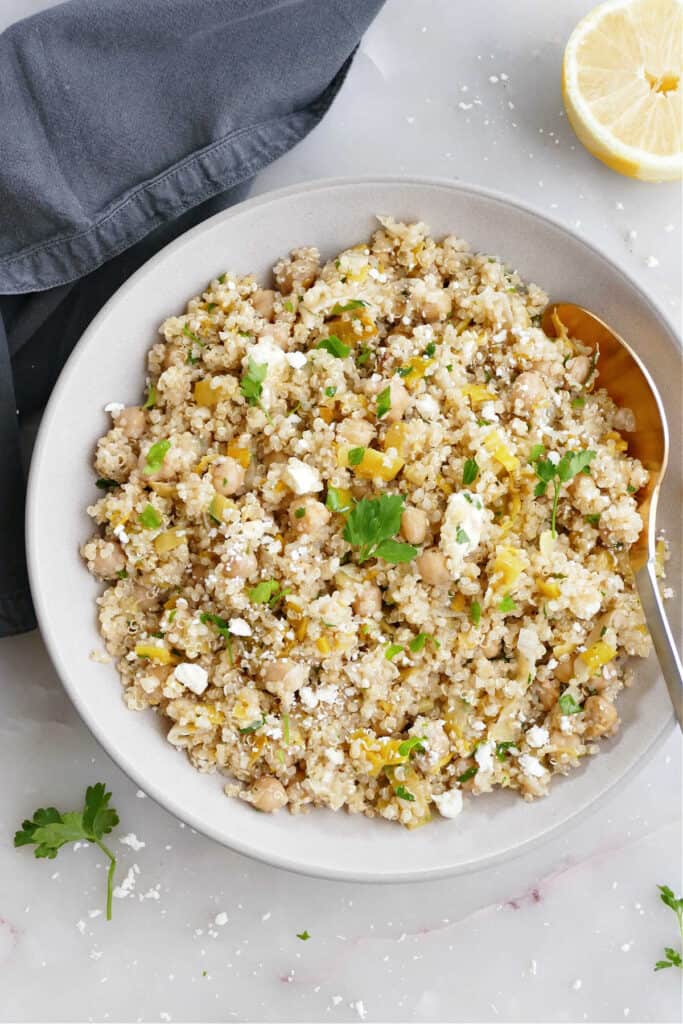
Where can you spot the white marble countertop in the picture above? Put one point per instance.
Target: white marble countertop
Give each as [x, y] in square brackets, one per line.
[570, 931]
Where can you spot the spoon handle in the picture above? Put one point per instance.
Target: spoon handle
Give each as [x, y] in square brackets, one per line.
[662, 638]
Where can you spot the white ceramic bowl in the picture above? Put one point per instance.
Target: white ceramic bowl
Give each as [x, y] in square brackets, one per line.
[109, 365]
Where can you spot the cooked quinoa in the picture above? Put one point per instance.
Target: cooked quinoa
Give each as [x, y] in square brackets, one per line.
[366, 541]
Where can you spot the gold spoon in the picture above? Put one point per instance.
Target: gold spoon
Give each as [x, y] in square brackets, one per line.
[629, 384]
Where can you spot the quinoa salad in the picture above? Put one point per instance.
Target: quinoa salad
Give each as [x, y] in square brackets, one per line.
[366, 540]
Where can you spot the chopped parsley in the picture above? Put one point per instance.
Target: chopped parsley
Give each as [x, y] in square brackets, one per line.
[507, 604]
[122, 574]
[475, 613]
[151, 399]
[299, 513]
[392, 650]
[335, 346]
[268, 592]
[304, 936]
[430, 350]
[194, 338]
[348, 307]
[568, 706]
[355, 456]
[413, 743]
[470, 472]
[593, 519]
[223, 628]
[330, 392]
[363, 355]
[469, 774]
[254, 727]
[221, 279]
[285, 730]
[405, 371]
[404, 794]
[251, 384]
[150, 518]
[502, 749]
[383, 402]
[557, 473]
[49, 830]
[631, 490]
[417, 643]
[154, 459]
[371, 525]
[462, 536]
[106, 485]
[289, 306]
[578, 402]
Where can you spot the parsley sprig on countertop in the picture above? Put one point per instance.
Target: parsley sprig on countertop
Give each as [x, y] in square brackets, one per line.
[371, 525]
[673, 957]
[49, 830]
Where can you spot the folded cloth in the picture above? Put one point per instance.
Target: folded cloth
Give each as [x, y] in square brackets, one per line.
[122, 125]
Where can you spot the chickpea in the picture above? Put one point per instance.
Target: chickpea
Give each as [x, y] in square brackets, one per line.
[491, 646]
[108, 560]
[143, 599]
[132, 421]
[528, 391]
[242, 566]
[227, 476]
[600, 717]
[368, 601]
[263, 301]
[283, 678]
[268, 795]
[414, 524]
[356, 432]
[400, 399]
[432, 567]
[577, 370]
[307, 515]
[548, 691]
[565, 670]
[299, 271]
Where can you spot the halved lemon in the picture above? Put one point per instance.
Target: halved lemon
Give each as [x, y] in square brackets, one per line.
[622, 86]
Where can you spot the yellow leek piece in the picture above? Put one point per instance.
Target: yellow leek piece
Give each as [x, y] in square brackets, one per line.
[167, 541]
[373, 464]
[496, 447]
[597, 655]
[162, 655]
[509, 565]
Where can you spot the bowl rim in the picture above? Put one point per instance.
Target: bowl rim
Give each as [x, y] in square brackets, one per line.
[91, 719]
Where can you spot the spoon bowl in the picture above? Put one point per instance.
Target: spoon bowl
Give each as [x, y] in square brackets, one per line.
[629, 385]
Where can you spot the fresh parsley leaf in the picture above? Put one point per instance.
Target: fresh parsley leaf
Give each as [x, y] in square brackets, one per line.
[537, 450]
[631, 490]
[289, 306]
[405, 371]
[335, 346]
[355, 456]
[151, 399]
[502, 749]
[417, 643]
[223, 628]
[335, 502]
[392, 650]
[475, 613]
[413, 743]
[469, 774]
[507, 604]
[49, 830]
[194, 338]
[557, 473]
[470, 472]
[221, 279]
[395, 551]
[573, 463]
[383, 402]
[372, 523]
[404, 794]
[462, 536]
[154, 459]
[106, 485]
[304, 936]
[150, 518]
[673, 956]
[568, 705]
[263, 592]
[254, 727]
[348, 307]
[330, 392]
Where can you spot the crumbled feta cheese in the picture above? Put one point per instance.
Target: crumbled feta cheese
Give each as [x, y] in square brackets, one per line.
[449, 803]
[537, 736]
[238, 627]
[553, 457]
[194, 677]
[120, 533]
[335, 756]
[565, 724]
[328, 694]
[427, 407]
[531, 766]
[302, 478]
[483, 755]
[308, 697]
[461, 529]
[529, 646]
[266, 351]
[296, 360]
[114, 407]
